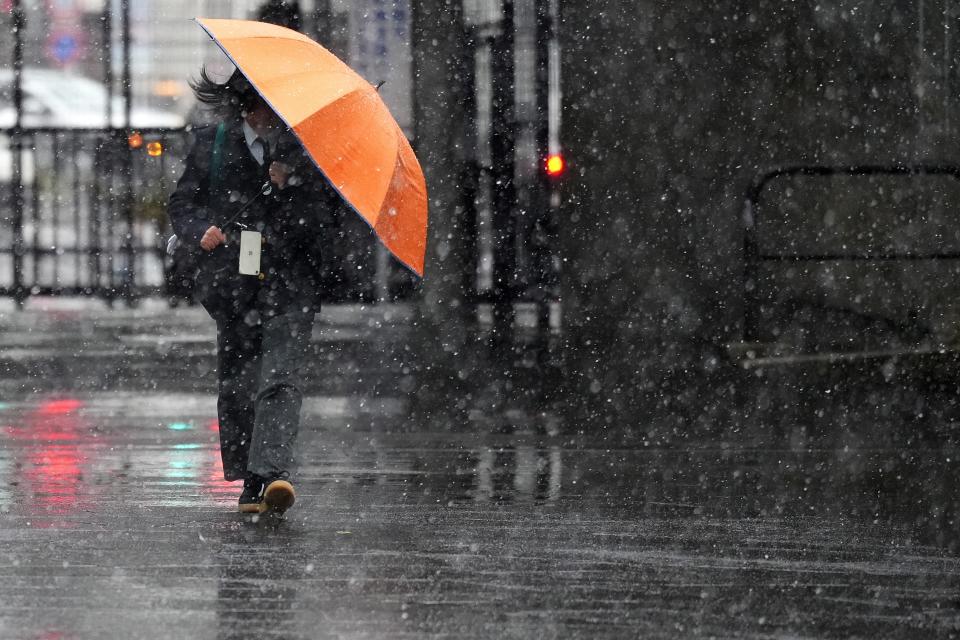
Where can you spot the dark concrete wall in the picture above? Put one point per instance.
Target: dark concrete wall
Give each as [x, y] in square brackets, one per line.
[672, 108]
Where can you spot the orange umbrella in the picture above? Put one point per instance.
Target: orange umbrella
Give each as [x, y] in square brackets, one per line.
[342, 123]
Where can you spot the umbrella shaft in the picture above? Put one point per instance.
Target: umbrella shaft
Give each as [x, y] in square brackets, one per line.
[265, 189]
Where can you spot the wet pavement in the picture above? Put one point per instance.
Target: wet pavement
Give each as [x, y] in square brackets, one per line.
[509, 522]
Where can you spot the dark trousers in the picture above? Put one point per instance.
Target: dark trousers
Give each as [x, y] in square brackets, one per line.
[260, 358]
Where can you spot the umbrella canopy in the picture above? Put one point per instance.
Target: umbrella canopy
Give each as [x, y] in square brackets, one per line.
[342, 123]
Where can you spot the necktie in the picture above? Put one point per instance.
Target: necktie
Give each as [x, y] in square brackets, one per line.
[265, 147]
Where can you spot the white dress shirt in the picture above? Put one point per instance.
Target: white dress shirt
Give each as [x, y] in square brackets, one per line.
[256, 150]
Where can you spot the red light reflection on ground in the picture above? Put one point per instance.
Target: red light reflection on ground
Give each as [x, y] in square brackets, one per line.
[51, 437]
[217, 486]
[59, 407]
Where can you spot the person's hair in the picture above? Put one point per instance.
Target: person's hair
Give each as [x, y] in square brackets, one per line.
[227, 99]
[285, 14]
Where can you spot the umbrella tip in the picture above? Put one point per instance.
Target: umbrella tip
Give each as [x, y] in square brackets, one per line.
[380, 84]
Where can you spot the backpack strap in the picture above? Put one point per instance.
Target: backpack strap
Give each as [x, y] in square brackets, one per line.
[216, 160]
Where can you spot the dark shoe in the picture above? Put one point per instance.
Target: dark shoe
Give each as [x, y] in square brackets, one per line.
[278, 496]
[252, 495]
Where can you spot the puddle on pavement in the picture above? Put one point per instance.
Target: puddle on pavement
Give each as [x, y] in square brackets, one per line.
[86, 454]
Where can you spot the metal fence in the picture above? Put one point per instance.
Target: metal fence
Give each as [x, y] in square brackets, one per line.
[84, 210]
[87, 216]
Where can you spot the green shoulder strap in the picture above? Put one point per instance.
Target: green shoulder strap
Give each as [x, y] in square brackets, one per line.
[216, 161]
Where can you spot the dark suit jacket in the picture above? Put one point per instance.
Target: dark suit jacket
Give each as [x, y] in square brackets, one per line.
[292, 220]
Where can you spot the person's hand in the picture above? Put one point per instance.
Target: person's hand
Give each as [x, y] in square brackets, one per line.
[212, 239]
[279, 173]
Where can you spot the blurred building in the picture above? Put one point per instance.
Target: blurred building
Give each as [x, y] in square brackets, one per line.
[372, 35]
[167, 48]
[86, 37]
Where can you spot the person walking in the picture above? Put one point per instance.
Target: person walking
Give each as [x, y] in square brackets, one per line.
[249, 173]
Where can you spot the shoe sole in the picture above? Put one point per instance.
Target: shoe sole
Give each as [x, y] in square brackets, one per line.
[278, 497]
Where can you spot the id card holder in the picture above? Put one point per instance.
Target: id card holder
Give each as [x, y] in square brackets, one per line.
[250, 243]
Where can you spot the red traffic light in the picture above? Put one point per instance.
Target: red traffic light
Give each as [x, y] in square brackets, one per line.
[555, 165]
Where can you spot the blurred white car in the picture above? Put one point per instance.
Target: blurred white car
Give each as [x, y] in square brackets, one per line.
[68, 101]
[57, 99]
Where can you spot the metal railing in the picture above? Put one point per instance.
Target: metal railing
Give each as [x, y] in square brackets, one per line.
[84, 213]
[83, 210]
[754, 257]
